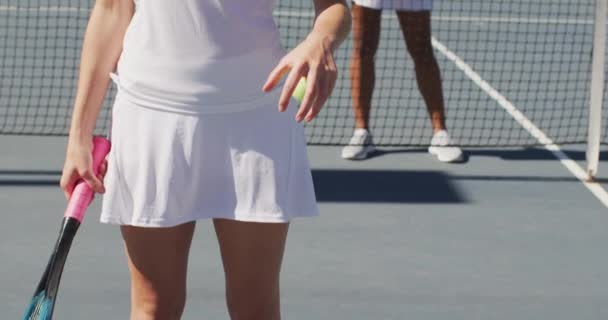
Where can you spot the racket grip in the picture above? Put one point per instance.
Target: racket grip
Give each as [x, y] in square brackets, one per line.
[82, 193]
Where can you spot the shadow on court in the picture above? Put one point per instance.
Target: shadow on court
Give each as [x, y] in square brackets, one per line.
[374, 186]
[385, 186]
[27, 178]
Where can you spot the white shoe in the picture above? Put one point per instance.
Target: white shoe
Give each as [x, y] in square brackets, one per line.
[442, 148]
[360, 146]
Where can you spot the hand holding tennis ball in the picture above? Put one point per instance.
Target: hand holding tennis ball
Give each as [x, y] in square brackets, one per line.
[313, 59]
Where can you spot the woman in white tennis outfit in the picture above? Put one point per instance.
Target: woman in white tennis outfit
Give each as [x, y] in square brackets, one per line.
[415, 20]
[196, 134]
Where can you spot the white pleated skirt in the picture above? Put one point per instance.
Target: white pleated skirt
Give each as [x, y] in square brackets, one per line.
[168, 168]
[403, 5]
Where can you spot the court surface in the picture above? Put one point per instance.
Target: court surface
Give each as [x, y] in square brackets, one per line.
[508, 235]
[512, 233]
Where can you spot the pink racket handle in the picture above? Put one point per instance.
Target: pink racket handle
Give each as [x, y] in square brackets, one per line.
[82, 193]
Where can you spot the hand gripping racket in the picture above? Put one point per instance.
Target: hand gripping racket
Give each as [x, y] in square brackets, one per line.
[43, 302]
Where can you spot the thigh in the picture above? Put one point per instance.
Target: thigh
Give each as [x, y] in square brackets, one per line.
[252, 254]
[366, 29]
[416, 29]
[158, 260]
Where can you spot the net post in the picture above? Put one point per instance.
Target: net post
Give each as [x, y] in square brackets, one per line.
[597, 88]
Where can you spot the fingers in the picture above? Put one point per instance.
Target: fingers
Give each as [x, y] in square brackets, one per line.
[70, 178]
[310, 59]
[275, 76]
[326, 86]
[293, 78]
[68, 181]
[321, 81]
[317, 103]
[103, 169]
[94, 182]
[310, 94]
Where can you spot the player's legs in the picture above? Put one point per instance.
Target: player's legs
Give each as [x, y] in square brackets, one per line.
[252, 254]
[158, 260]
[366, 33]
[416, 28]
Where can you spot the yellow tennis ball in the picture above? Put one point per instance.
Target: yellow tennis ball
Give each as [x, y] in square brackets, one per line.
[298, 93]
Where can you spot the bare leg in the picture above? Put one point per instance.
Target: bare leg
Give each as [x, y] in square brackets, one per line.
[158, 261]
[416, 28]
[366, 33]
[252, 254]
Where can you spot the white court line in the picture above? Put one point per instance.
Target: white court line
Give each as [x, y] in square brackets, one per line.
[513, 20]
[542, 138]
[44, 9]
[491, 19]
[310, 14]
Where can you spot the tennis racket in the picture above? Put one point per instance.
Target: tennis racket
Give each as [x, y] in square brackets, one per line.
[43, 302]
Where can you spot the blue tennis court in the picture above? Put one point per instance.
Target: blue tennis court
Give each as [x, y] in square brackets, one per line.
[515, 232]
[510, 234]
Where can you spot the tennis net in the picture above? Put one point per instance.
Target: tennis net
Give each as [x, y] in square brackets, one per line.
[508, 68]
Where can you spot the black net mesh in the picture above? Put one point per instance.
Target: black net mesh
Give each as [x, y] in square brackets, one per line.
[531, 55]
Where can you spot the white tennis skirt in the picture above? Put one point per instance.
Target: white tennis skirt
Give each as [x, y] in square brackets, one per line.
[402, 5]
[167, 168]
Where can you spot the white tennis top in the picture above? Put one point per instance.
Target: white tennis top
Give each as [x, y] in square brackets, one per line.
[198, 55]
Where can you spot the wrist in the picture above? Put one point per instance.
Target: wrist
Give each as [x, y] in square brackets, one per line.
[327, 41]
[80, 136]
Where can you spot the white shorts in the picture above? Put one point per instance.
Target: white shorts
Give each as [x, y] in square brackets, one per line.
[167, 168]
[401, 5]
